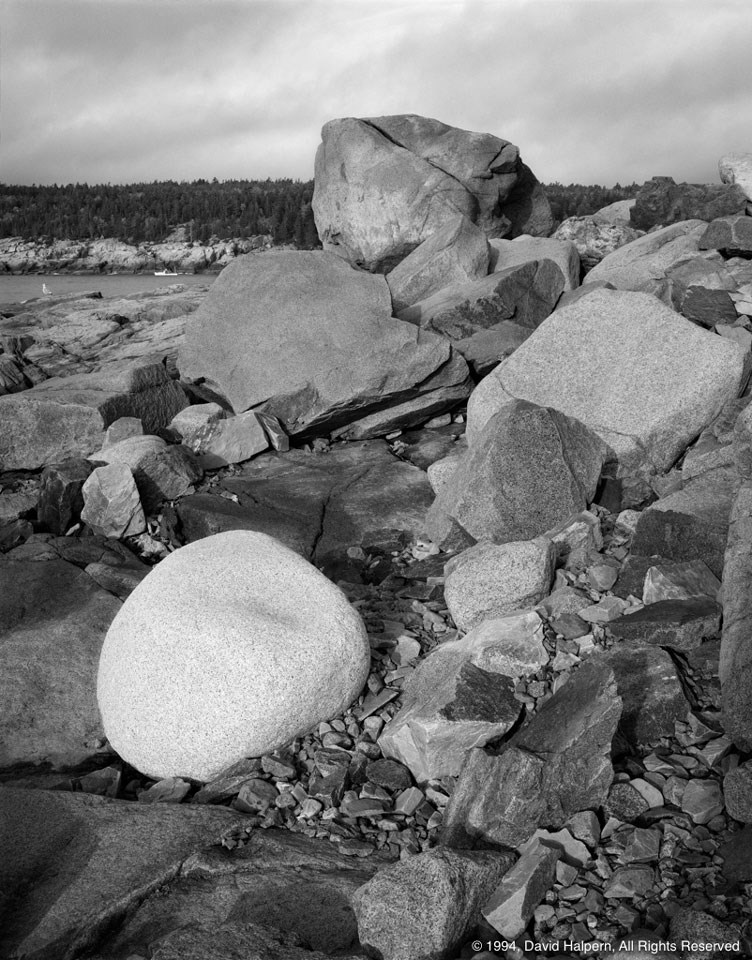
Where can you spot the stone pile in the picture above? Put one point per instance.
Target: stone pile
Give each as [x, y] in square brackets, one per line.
[419, 603]
[115, 256]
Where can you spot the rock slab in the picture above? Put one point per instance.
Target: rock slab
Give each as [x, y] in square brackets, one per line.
[304, 337]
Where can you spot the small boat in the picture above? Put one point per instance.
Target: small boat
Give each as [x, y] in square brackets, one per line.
[165, 273]
[46, 290]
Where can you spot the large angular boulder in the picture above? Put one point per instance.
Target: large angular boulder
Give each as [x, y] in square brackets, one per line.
[508, 253]
[593, 238]
[386, 184]
[457, 253]
[229, 648]
[455, 700]
[735, 670]
[645, 259]
[60, 497]
[691, 523]
[112, 506]
[661, 201]
[552, 768]
[306, 338]
[53, 620]
[528, 470]
[490, 580]
[731, 235]
[426, 905]
[737, 168]
[161, 471]
[524, 294]
[66, 417]
[649, 686]
[642, 377]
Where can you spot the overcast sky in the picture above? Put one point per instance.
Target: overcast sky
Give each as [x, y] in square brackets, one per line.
[600, 91]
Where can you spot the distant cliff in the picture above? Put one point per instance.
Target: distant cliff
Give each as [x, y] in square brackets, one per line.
[114, 256]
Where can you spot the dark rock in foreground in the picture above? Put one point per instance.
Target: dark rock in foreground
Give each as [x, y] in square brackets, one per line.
[662, 201]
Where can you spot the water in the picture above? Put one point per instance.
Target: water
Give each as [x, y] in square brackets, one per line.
[15, 289]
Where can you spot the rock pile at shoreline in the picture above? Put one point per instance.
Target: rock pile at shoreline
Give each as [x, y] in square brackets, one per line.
[176, 253]
[460, 555]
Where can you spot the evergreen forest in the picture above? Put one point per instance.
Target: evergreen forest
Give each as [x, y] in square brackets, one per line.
[209, 208]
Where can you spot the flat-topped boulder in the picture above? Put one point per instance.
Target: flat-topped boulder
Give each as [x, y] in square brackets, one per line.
[649, 257]
[305, 337]
[641, 376]
[386, 184]
[66, 417]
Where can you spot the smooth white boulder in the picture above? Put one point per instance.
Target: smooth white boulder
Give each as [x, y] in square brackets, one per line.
[229, 648]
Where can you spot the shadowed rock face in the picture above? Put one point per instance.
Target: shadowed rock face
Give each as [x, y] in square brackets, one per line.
[550, 769]
[663, 201]
[95, 858]
[385, 184]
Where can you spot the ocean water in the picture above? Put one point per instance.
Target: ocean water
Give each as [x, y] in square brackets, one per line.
[16, 289]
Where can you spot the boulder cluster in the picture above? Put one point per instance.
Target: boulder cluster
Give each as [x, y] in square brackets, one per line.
[390, 600]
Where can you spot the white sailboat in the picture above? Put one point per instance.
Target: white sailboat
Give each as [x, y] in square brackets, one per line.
[46, 290]
[165, 273]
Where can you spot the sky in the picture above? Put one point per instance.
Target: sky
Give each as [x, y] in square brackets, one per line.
[593, 91]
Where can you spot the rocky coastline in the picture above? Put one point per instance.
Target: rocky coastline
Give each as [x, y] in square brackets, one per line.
[390, 600]
[103, 256]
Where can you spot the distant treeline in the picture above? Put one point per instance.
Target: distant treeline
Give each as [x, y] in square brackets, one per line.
[149, 211]
[231, 208]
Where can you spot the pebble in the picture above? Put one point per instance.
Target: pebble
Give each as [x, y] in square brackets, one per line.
[629, 882]
[389, 773]
[652, 796]
[408, 801]
[171, 790]
[702, 800]
[365, 807]
[255, 795]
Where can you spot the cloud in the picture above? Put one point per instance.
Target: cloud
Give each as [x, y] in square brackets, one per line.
[128, 90]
